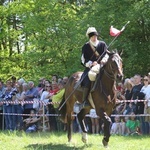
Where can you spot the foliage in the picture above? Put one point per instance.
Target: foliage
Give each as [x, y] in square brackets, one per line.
[41, 38]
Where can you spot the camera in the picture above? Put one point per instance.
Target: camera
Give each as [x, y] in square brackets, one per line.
[9, 95]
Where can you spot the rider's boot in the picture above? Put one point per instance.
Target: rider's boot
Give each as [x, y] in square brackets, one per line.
[86, 91]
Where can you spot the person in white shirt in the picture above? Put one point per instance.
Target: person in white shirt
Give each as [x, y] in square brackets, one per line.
[146, 90]
[46, 94]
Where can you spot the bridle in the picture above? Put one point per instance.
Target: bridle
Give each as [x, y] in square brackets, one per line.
[115, 58]
[112, 74]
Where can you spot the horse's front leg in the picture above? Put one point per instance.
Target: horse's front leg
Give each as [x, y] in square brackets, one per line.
[107, 126]
[81, 116]
[69, 127]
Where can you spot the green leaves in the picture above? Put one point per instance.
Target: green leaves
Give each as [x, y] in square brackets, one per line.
[40, 38]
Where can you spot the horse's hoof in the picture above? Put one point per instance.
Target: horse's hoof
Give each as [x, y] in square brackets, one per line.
[84, 140]
[105, 144]
[84, 137]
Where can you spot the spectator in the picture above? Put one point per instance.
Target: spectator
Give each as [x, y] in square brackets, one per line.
[116, 126]
[13, 81]
[41, 86]
[120, 87]
[24, 90]
[46, 95]
[149, 76]
[135, 91]
[146, 90]
[17, 108]
[128, 85]
[21, 81]
[8, 95]
[133, 125]
[132, 80]
[57, 97]
[123, 125]
[29, 96]
[138, 106]
[54, 78]
[46, 81]
[129, 109]
[59, 80]
[41, 83]
[119, 128]
[65, 79]
[76, 125]
[94, 121]
[55, 87]
[31, 123]
[2, 91]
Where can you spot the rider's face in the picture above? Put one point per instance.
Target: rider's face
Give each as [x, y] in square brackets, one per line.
[93, 38]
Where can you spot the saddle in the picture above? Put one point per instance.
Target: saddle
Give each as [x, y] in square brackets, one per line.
[78, 87]
[78, 82]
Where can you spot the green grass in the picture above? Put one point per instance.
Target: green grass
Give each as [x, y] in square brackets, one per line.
[58, 141]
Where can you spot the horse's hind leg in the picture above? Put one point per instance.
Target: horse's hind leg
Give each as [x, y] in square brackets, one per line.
[69, 127]
[107, 125]
[81, 116]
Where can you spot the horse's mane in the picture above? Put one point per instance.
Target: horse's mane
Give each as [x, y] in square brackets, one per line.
[111, 55]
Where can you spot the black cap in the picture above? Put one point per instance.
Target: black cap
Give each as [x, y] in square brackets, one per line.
[92, 34]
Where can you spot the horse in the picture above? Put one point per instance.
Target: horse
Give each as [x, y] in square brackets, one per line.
[103, 96]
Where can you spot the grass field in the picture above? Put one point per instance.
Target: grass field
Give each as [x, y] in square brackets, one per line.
[58, 141]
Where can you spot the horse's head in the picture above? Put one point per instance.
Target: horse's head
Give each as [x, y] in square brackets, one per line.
[115, 64]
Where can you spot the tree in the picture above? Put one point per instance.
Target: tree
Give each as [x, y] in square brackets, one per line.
[41, 38]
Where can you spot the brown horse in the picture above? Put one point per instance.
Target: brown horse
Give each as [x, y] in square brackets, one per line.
[104, 97]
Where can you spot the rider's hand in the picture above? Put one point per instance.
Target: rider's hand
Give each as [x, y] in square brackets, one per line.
[94, 63]
[102, 62]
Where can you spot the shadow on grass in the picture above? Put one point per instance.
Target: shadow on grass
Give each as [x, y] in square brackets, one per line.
[55, 147]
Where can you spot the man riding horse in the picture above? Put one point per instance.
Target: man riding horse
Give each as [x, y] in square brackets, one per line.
[94, 55]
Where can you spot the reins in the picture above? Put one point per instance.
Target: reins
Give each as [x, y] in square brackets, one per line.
[110, 75]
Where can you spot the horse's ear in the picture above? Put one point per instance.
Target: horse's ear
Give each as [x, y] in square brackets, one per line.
[120, 52]
[108, 52]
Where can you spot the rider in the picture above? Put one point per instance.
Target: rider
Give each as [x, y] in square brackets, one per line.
[91, 52]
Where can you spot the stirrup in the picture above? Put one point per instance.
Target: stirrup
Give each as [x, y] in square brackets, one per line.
[93, 87]
[85, 104]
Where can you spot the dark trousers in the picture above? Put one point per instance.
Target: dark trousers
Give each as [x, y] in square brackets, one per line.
[27, 112]
[52, 119]
[1, 120]
[85, 79]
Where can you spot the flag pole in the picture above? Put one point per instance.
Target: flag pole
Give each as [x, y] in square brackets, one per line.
[123, 28]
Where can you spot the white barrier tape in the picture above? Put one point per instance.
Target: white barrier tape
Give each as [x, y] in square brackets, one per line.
[113, 115]
[120, 101]
[53, 103]
[139, 115]
[28, 102]
[15, 114]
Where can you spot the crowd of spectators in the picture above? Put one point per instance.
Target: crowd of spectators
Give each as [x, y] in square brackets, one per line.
[29, 116]
[135, 96]
[26, 106]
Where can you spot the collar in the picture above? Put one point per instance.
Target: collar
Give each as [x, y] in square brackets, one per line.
[94, 43]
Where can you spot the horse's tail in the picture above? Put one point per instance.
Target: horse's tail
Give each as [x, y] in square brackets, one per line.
[62, 109]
